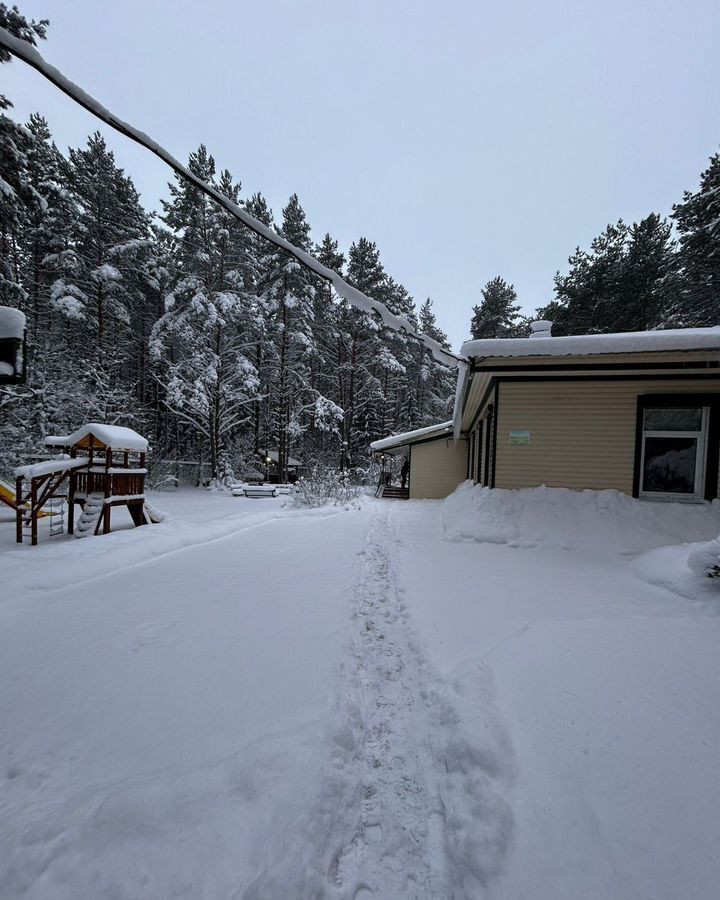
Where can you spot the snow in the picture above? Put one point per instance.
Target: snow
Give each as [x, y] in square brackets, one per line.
[48, 467]
[578, 521]
[591, 344]
[12, 323]
[117, 437]
[6, 368]
[503, 694]
[397, 440]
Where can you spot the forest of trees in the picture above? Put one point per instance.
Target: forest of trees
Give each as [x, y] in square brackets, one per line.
[651, 274]
[185, 325]
[217, 346]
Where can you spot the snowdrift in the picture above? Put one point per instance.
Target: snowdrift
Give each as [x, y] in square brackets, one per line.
[597, 522]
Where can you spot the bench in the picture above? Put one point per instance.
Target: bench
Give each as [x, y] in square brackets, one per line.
[255, 490]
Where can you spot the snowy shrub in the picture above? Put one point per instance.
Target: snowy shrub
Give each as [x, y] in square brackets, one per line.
[367, 474]
[705, 559]
[323, 485]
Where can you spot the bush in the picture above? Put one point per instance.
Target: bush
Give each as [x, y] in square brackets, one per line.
[704, 560]
[323, 485]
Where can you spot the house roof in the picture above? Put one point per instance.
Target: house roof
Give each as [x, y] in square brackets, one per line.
[116, 437]
[12, 323]
[293, 463]
[412, 437]
[592, 344]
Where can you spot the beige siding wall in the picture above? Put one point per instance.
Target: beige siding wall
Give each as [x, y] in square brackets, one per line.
[582, 433]
[437, 468]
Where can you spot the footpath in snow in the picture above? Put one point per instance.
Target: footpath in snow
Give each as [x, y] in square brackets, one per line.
[500, 695]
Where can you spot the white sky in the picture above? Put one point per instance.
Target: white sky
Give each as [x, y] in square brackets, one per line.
[468, 139]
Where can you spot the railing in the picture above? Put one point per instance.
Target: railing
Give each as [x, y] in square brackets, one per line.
[125, 485]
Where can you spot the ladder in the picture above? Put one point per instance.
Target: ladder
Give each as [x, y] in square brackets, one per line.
[56, 514]
[92, 510]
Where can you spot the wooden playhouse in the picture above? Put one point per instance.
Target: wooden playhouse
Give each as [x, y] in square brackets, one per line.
[98, 467]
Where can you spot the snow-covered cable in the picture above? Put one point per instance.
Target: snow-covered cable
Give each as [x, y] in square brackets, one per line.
[26, 52]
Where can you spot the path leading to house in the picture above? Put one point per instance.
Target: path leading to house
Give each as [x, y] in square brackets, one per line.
[410, 805]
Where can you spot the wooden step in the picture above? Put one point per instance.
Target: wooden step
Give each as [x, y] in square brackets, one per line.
[395, 493]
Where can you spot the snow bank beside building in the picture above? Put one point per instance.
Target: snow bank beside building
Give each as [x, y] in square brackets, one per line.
[598, 522]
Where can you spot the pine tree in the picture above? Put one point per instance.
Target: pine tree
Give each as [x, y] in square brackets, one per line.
[12, 20]
[361, 393]
[498, 314]
[619, 285]
[296, 405]
[202, 344]
[696, 298]
[17, 197]
[109, 224]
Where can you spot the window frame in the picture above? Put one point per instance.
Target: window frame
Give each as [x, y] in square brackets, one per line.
[706, 463]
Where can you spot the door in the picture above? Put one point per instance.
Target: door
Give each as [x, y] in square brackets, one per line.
[674, 452]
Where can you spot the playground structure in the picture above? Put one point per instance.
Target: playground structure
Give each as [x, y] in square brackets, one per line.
[104, 467]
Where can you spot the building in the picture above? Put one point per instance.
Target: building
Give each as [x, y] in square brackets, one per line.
[638, 412]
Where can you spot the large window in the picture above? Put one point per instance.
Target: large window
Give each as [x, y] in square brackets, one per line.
[673, 452]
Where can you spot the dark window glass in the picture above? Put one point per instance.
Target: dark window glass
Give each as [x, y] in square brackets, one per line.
[660, 418]
[669, 465]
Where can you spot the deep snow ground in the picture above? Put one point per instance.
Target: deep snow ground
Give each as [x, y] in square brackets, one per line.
[259, 703]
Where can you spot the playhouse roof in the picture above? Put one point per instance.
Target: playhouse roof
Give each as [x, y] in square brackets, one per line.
[114, 437]
[12, 323]
[411, 437]
[590, 344]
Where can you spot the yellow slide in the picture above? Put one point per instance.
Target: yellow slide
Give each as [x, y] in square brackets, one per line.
[7, 495]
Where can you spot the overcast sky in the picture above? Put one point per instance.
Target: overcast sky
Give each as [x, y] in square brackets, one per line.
[468, 139]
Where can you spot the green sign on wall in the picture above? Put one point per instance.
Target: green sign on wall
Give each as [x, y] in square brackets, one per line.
[519, 438]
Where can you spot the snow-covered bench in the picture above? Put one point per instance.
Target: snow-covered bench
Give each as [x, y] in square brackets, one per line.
[255, 490]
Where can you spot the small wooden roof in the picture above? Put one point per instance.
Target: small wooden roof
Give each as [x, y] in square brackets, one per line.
[112, 437]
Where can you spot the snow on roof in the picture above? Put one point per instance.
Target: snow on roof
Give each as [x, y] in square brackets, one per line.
[116, 437]
[295, 463]
[397, 440]
[12, 322]
[49, 466]
[591, 344]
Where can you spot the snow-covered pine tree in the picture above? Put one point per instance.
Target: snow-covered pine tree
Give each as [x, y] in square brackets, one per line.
[325, 372]
[50, 261]
[110, 219]
[12, 20]
[434, 384]
[360, 343]
[697, 285]
[260, 252]
[290, 294]
[203, 342]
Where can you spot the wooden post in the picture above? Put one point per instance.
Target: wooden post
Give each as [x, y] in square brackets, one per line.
[71, 494]
[33, 511]
[142, 477]
[18, 510]
[108, 491]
